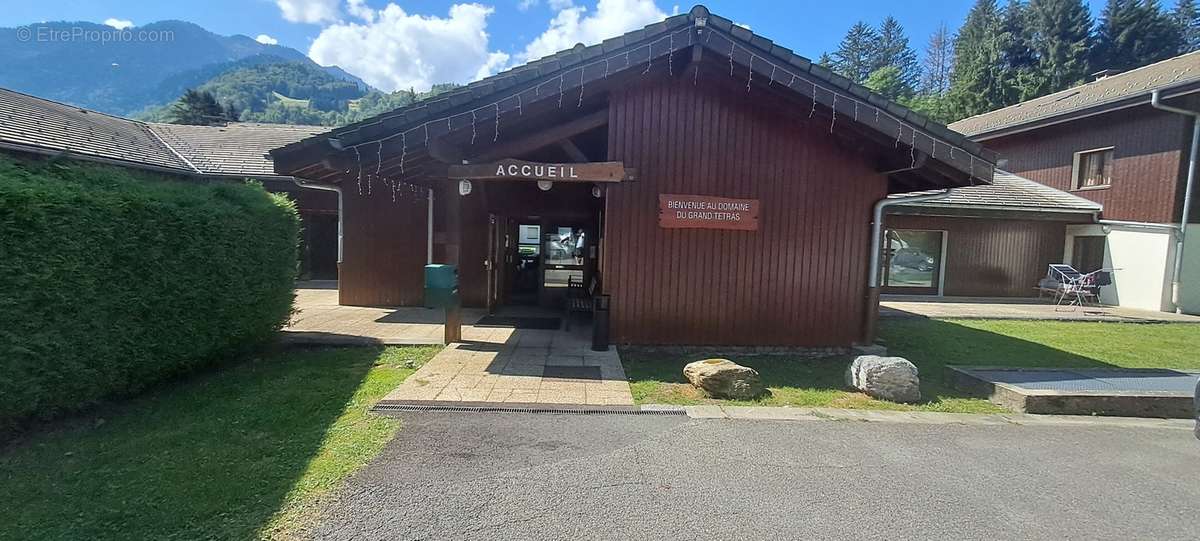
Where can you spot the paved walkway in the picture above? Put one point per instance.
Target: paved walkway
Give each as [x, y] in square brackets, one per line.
[1016, 308]
[519, 366]
[320, 320]
[492, 364]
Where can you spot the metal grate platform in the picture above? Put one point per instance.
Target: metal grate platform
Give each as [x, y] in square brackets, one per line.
[1130, 392]
[1157, 380]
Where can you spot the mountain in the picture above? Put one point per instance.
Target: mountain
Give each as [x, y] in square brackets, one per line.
[268, 89]
[65, 61]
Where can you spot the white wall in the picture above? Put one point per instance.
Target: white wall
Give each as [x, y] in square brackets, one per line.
[1142, 260]
[1189, 293]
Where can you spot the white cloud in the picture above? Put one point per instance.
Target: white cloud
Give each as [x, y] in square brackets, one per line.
[360, 9]
[119, 24]
[574, 24]
[266, 40]
[555, 5]
[394, 50]
[308, 11]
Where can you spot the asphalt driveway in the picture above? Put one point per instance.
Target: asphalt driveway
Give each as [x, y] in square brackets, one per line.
[509, 476]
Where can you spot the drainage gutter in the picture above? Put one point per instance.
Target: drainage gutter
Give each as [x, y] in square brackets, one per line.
[341, 214]
[872, 308]
[1180, 242]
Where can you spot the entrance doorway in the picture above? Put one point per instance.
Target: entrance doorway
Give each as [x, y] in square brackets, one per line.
[537, 259]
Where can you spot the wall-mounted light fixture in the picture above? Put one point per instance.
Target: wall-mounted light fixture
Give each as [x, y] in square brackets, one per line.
[464, 187]
[545, 185]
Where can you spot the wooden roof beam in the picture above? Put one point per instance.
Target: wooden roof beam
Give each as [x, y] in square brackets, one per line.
[544, 138]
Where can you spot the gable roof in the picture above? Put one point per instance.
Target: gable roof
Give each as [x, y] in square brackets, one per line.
[1011, 192]
[234, 149]
[758, 59]
[32, 124]
[1172, 77]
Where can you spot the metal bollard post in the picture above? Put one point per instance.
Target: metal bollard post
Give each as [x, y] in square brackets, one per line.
[600, 311]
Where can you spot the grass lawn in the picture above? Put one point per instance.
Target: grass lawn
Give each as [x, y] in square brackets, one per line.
[656, 377]
[243, 452]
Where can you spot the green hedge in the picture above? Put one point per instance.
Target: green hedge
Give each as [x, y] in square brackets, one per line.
[112, 279]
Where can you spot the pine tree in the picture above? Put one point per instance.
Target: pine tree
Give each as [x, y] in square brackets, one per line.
[200, 108]
[939, 62]
[976, 83]
[1020, 76]
[1060, 39]
[1133, 33]
[854, 55]
[1187, 18]
[825, 61]
[892, 49]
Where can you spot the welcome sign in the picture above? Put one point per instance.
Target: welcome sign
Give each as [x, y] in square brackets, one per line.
[707, 212]
[523, 170]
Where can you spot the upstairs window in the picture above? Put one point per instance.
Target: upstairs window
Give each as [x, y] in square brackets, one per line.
[1093, 168]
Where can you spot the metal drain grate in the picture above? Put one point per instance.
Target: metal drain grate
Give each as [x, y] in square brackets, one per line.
[599, 410]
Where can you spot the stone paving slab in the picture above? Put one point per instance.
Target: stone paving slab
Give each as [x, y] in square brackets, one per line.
[320, 320]
[493, 364]
[509, 368]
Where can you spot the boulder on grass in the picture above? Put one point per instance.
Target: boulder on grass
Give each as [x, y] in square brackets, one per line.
[889, 378]
[723, 378]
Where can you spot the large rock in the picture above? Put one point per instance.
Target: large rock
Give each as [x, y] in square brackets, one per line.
[889, 378]
[723, 378]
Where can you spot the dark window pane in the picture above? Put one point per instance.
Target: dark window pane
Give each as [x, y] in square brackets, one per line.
[913, 258]
[1095, 169]
[1087, 254]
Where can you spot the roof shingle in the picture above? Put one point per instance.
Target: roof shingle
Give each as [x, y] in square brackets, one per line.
[1170, 73]
[235, 149]
[1010, 192]
[232, 149]
[35, 122]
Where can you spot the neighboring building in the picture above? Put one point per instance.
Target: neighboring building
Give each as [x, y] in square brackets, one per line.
[717, 187]
[34, 126]
[981, 241]
[1105, 142]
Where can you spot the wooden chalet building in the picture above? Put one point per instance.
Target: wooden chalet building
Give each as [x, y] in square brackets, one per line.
[718, 188]
[1125, 142]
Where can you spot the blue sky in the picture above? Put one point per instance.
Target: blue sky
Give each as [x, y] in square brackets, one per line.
[419, 42]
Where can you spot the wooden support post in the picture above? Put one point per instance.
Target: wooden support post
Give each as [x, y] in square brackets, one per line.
[452, 203]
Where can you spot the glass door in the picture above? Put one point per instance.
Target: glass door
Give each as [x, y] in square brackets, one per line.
[526, 269]
[912, 261]
[564, 253]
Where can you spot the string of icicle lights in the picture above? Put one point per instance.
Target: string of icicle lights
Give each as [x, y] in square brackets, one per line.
[839, 102]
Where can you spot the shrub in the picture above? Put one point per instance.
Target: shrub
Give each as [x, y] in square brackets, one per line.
[113, 279]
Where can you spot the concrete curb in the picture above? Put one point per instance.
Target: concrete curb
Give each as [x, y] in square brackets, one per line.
[763, 413]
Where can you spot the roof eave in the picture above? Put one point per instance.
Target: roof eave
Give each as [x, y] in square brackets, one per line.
[1078, 114]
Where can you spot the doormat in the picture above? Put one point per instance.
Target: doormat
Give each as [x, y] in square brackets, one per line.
[571, 372]
[535, 323]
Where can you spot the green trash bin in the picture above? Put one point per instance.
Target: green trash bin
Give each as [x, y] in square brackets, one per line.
[441, 286]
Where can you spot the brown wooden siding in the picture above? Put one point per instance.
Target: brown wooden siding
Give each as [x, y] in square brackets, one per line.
[798, 280]
[383, 248]
[1148, 160]
[992, 258]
